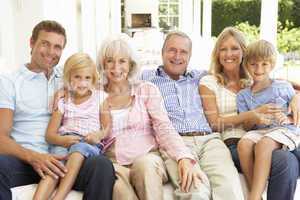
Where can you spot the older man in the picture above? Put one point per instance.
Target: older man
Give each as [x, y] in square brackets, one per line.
[24, 114]
[180, 89]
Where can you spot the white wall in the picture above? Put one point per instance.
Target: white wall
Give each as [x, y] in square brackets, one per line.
[186, 16]
[7, 35]
[87, 23]
[66, 13]
[108, 19]
[88, 27]
[138, 6]
[20, 16]
[26, 15]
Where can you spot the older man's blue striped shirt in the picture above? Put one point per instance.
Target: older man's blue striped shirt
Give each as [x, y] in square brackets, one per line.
[181, 98]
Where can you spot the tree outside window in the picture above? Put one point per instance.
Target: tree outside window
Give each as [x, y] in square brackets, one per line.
[169, 15]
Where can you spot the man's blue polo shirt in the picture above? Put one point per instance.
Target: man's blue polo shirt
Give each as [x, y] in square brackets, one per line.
[29, 95]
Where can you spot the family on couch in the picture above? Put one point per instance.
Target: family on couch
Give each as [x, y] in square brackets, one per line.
[158, 128]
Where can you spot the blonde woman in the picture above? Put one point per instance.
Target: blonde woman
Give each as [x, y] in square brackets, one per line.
[218, 92]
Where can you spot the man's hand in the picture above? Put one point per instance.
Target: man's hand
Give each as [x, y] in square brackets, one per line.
[294, 108]
[189, 174]
[47, 164]
[61, 93]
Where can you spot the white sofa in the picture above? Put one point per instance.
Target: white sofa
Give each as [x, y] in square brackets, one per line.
[26, 192]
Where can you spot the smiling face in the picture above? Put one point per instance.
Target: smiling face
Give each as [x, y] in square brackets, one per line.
[46, 51]
[176, 55]
[259, 70]
[260, 59]
[230, 54]
[81, 81]
[117, 68]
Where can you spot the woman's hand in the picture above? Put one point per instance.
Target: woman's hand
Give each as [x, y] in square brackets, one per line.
[269, 108]
[282, 118]
[189, 174]
[264, 119]
[267, 113]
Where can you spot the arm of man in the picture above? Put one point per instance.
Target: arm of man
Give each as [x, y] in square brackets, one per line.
[42, 163]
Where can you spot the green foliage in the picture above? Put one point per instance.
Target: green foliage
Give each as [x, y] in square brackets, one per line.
[232, 12]
[250, 31]
[288, 39]
[289, 10]
[288, 36]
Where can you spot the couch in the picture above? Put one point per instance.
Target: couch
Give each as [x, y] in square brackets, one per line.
[26, 192]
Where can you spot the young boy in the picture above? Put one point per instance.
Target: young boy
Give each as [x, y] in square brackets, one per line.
[271, 132]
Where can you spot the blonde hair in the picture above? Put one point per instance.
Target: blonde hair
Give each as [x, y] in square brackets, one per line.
[79, 61]
[260, 50]
[215, 66]
[113, 47]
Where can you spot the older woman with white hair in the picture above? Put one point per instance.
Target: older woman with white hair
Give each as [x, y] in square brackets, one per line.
[140, 125]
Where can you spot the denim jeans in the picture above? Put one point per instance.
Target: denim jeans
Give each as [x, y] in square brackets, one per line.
[235, 157]
[284, 173]
[83, 148]
[96, 177]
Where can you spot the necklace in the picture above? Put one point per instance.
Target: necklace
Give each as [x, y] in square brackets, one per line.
[120, 98]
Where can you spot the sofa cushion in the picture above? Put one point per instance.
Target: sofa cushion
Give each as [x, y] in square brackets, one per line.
[26, 192]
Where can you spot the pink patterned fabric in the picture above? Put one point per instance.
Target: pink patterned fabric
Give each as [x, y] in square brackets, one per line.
[82, 118]
[147, 127]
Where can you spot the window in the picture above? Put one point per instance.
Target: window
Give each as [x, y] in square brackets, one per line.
[169, 14]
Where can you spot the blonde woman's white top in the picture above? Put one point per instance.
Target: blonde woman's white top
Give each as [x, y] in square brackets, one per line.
[226, 103]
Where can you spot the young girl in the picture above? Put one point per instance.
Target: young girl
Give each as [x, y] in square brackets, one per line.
[74, 128]
[271, 132]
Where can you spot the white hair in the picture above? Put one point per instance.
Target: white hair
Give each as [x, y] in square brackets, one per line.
[116, 45]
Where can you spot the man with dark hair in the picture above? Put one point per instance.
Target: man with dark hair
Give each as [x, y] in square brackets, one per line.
[49, 26]
[24, 115]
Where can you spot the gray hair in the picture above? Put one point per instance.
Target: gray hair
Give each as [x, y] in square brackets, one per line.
[112, 47]
[177, 33]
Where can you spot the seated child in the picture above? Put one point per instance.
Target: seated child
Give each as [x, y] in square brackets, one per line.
[74, 128]
[272, 131]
